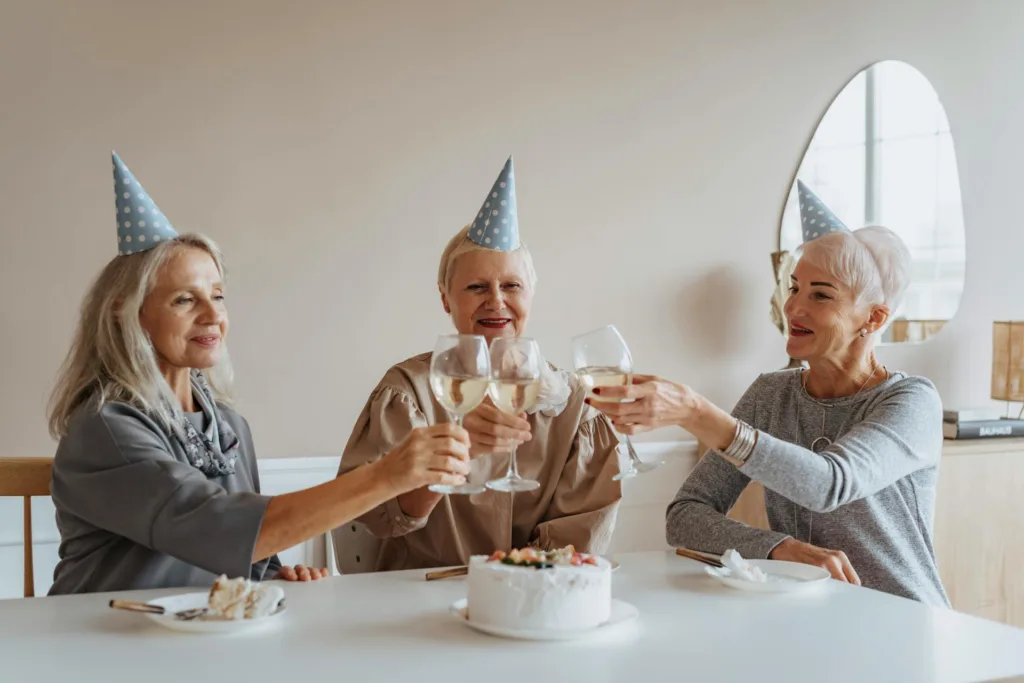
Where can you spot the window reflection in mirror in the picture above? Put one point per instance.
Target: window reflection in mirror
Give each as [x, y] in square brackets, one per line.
[883, 155]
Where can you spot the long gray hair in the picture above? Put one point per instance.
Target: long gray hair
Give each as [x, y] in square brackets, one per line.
[111, 356]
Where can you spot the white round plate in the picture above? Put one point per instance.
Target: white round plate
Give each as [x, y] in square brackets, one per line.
[622, 612]
[177, 603]
[783, 577]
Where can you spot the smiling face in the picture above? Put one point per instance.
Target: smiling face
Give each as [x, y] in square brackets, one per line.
[823, 315]
[489, 293]
[184, 314]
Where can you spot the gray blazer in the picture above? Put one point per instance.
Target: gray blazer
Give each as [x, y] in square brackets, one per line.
[133, 513]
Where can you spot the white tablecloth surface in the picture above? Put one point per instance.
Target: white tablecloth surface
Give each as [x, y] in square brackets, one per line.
[396, 627]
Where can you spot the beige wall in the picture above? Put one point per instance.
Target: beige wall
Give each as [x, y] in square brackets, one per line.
[333, 147]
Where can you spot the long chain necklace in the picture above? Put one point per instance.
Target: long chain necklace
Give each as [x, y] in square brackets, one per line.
[823, 442]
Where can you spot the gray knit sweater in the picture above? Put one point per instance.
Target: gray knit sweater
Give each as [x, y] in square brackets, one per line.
[870, 494]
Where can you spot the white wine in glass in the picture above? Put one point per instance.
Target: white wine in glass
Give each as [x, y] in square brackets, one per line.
[515, 386]
[460, 371]
[515, 396]
[459, 395]
[596, 377]
[602, 359]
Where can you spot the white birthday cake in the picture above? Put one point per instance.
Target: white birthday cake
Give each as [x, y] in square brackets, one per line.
[530, 589]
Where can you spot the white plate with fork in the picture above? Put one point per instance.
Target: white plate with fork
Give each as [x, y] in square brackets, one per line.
[175, 605]
[783, 577]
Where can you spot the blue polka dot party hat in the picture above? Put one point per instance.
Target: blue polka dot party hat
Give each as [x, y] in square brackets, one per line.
[140, 223]
[816, 219]
[496, 225]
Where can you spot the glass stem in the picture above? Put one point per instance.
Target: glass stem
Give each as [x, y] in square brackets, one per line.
[633, 457]
[513, 468]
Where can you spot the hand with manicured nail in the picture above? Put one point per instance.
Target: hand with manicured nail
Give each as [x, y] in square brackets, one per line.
[648, 403]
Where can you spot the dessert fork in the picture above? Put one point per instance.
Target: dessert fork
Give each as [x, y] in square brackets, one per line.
[147, 608]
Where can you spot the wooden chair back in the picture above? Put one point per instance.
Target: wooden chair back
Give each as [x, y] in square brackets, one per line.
[26, 478]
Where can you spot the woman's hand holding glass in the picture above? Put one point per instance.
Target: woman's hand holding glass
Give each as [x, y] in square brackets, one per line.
[494, 431]
[460, 373]
[429, 456]
[648, 403]
[604, 366]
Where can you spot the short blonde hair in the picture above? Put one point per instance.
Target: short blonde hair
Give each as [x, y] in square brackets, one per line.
[874, 262]
[461, 244]
[111, 357]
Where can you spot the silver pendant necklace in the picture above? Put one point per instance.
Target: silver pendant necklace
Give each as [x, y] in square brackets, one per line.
[822, 442]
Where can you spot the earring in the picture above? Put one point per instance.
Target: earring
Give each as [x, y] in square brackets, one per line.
[863, 332]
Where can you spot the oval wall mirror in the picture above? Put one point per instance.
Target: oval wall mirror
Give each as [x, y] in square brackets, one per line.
[883, 155]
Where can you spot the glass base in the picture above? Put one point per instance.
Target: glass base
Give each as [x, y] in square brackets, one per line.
[513, 485]
[464, 489]
[636, 468]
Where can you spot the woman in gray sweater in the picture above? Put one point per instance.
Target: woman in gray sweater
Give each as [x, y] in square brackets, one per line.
[848, 451]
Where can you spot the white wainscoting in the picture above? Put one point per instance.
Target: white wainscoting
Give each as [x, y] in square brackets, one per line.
[640, 522]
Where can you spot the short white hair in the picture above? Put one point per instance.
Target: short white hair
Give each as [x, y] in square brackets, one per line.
[874, 262]
[461, 244]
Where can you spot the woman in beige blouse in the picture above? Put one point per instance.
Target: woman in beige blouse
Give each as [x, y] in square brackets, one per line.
[486, 281]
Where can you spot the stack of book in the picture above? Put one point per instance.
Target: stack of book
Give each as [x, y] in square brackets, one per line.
[979, 423]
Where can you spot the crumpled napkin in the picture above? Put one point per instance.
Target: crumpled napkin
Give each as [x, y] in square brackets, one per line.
[554, 391]
[741, 569]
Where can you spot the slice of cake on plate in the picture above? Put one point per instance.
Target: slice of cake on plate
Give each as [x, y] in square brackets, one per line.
[243, 599]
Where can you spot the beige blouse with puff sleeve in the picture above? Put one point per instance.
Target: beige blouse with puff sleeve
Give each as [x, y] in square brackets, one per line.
[573, 455]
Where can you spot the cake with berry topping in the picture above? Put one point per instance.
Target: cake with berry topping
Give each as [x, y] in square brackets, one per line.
[531, 589]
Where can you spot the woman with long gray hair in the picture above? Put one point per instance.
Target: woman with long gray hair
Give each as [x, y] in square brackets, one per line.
[155, 480]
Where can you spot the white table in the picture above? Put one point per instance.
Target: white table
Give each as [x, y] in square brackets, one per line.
[396, 626]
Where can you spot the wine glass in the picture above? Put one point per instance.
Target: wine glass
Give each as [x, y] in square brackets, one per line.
[602, 359]
[515, 386]
[460, 371]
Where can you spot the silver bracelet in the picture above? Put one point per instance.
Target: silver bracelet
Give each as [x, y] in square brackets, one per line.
[742, 443]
